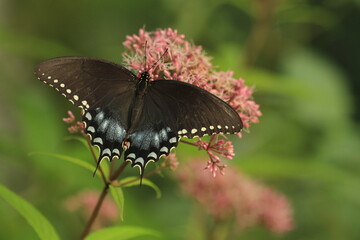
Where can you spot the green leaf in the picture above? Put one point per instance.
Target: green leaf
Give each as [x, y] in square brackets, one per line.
[75, 161]
[135, 181]
[37, 221]
[122, 233]
[118, 196]
[82, 140]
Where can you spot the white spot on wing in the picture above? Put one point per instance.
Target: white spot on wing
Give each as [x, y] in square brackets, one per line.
[49, 77]
[91, 129]
[164, 149]
[56, 81]
[152, 155]
[203, 129]
[194, 130]
[184, 131]
[68, 91]
[212, 127]
[218, 126]
[98, 140]
[62, 85]
[140, 160]
[76, 97]
[131, 156]
[172, 140]
[116, 151]
[107, 151]
[88, 116]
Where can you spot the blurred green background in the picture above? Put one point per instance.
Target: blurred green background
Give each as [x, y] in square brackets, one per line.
[301, 56]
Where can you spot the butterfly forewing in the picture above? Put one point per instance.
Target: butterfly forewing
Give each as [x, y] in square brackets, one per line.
[191, 111]
[86, 82]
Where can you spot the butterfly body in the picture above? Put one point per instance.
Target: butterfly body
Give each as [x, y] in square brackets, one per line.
[123, 112]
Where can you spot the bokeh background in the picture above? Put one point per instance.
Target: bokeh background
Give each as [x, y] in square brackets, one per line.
[302, 57]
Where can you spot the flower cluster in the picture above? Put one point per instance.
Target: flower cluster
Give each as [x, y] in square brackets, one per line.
[186, 62]
[76, 126]
[170, 162]
[234, 196]
[85, 201]
[215, 149]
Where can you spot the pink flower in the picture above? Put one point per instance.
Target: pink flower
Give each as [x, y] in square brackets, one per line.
[76, 126]
[85, 202]
[234, 196]
[186, 62]
[216, 148]
[170, 162]
[278, 219]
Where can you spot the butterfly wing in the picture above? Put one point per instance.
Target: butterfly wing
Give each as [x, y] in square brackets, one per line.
[103, 89]
[192, 111]
[174, 109]
[86, 82]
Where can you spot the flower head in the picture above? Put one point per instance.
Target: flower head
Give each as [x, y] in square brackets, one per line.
[187, 62]
[216, 148]
[76, 126]
[234, 196]
[85, 202]
[170, 162]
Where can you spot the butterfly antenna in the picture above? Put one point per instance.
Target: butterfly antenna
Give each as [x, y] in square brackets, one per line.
[166, 50]
[145, 53]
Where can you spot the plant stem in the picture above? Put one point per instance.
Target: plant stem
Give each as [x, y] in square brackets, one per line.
[95, 212]
[104, 192]
[95, 159]
[190, 143]
[117, 173]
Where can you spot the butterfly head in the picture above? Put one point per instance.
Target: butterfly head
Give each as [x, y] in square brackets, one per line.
[145, 76]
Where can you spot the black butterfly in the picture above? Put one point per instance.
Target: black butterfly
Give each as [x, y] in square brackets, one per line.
[146, 118]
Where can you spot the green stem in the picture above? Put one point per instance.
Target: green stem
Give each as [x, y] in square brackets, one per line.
[116, 174]
[95, 211]
[95, 159]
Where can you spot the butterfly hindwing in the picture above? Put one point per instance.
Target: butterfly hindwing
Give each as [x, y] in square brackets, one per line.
[105, 131]
[108, 125]
[150, 143]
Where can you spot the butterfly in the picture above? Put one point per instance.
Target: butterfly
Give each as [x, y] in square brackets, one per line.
[123, 112]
